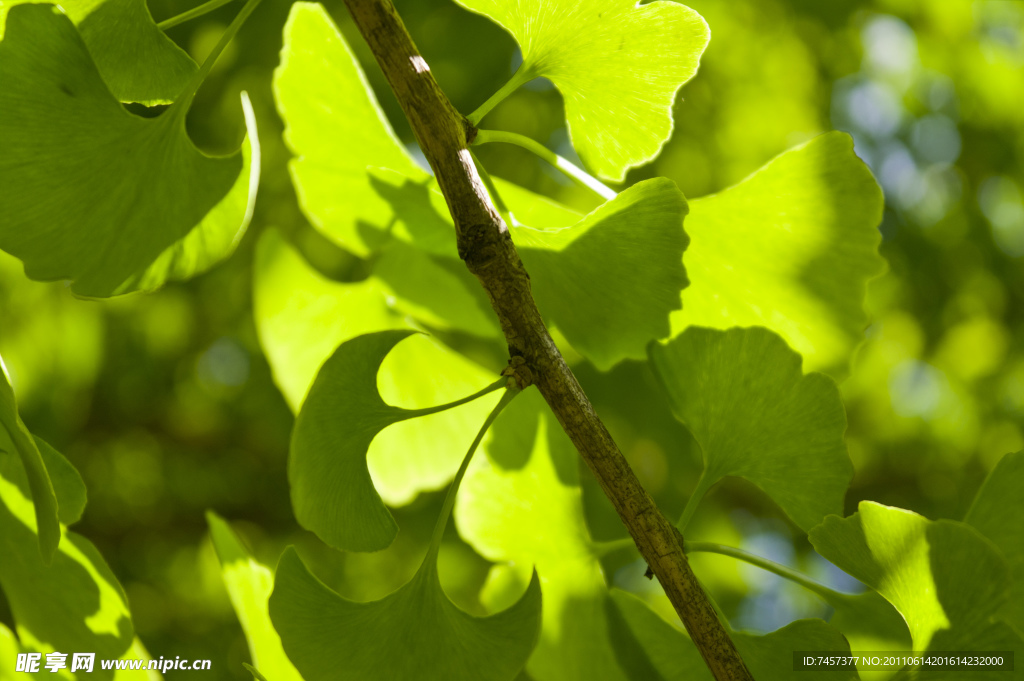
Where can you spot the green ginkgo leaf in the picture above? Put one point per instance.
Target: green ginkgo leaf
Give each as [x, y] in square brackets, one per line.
[332, 492]
[617, 63]
[73, 603]
[249, 585]
[608, 280]
[943, 577]
[15, 437]
[755, 415]
[415, 632]
[302, 317]
[112, 201]
[790, 248]
[998, 513]
[654, 650]
[136, 60]
[522, 507]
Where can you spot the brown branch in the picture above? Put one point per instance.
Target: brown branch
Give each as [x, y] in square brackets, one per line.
[487, 249]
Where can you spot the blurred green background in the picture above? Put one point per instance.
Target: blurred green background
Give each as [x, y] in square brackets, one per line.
[166, 406]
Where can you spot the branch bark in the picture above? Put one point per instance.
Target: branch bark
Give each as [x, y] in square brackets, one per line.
[487, 249]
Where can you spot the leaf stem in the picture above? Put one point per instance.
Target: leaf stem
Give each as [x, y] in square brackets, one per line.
[181, 106]
[567, 167]
[499, 202]
[703, 485]
[449, 500]
[191, 14]
[520, 77]
[830, 595]
[413, 413]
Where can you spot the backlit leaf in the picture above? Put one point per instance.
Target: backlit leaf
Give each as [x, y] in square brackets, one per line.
[136, 60]
[998, 513]
[249, 585]
[790, 248]
[755, 415]
[522, 507]
[15, 438]
[302, 317]
[617, 63]
[944, 578]
[94, 194]
[74, 603]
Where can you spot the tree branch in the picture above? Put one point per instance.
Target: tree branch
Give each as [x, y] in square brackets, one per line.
[484, 244]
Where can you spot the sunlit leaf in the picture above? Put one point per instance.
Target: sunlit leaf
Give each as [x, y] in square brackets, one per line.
[73, 604]
[522, 507]
[303, 317]
[249, 585]
[94, 194]
[998, 513]
[944, 577]
[15, 438]
[653, 649]
[755, 415]
[790, 248]
[136, 60]
[618, 65]
[414, 632]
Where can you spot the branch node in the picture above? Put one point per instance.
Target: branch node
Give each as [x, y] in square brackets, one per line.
[519, 371]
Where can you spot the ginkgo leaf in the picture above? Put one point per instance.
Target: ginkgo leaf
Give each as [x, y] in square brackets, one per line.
[15, 438]
[790, 248]
[332, 492]
[74, 603]
[522, 507]
[657, 651]
[93, 193]
[943, 577]
[617, 63]
[303, 317]
[136, 60]
[755, 415]
[249, 585]
[414, 632]
[608, 280]
[998, 513]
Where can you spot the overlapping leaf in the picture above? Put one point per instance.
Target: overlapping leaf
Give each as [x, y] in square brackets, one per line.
[998, 513]
[415, 632]
[618, 65]
[608, 280]
[249, 585]
[742, 395]
[74, 603]
[94, 194]
[654, 650]
[332, 492]
[790, 248]
[523, 508]
[136, 60]
[303, 317]
[943, 577]
[16, 439]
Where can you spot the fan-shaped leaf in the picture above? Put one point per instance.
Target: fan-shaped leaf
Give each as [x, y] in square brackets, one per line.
[74, 603]
[617, 63]
[303, 317]
[998, 513]
[943, 577]
[112, 201]
[790, 248]
[249, 585]
[137, 61]
[757, 416]
[524, 507]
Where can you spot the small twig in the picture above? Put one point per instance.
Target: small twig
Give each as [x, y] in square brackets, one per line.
[191, 14]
